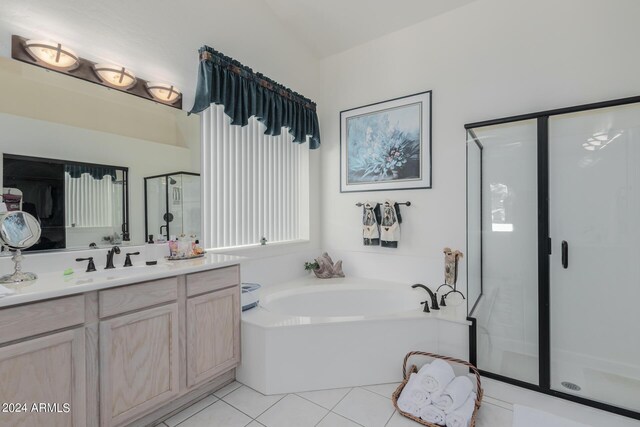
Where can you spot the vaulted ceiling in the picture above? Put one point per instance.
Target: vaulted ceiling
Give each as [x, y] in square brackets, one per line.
[331, 26]
[158, 39]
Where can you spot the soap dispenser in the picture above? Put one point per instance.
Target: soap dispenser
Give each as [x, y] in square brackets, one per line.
[150, 254]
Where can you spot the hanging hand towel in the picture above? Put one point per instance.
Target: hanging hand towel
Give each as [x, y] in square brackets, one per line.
[370, 229]
[390, 225]
[455, 394]
[461, 417]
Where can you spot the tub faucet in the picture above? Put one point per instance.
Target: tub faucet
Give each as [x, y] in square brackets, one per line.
[434, 298]
[112, 251]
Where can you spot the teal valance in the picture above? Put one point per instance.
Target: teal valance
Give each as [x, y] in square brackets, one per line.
[243, 93]
[96, 172]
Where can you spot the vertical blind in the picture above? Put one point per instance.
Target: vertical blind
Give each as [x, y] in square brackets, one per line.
[91, 202]
[252, 182]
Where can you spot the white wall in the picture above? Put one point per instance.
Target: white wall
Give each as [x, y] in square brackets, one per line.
[39, 138]
[489, 59]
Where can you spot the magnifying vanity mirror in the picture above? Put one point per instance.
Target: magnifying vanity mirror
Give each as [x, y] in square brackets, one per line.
[18, 230]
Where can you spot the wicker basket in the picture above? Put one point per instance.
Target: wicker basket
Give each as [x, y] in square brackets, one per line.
[406, 373]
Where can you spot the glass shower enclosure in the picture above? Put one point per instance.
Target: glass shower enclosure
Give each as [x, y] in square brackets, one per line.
[553, 201]
[172, 205]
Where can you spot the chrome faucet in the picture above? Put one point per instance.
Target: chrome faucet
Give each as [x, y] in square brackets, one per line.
[434, 298]
[112, 251]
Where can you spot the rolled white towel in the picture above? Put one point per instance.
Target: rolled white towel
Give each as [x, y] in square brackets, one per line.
[455, 394]
[461, 417]
[433, 415]
[413, 397]
[435, 376]
[415, 392]
[405, 405]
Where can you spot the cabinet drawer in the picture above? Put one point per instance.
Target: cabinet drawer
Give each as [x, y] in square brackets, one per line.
[212, 280]
[37, 318]
[135, 297]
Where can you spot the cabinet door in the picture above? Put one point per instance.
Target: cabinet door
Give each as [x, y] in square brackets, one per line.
[138, 363]
[48, 372]
[213, 334]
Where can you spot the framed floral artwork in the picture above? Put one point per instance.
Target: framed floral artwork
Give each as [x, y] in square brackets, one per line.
[386, 145]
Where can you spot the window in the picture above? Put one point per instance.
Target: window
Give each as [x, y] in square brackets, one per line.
[254, 185]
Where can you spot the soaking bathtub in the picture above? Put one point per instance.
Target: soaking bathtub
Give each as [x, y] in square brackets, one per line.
[313, 334]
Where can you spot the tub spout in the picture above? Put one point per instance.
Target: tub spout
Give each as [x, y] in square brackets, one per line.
[434, 298]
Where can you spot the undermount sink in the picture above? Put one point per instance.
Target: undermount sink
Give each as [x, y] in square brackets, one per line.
[113, 274]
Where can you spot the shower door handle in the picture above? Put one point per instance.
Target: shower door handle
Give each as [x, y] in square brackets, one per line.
[565, 254]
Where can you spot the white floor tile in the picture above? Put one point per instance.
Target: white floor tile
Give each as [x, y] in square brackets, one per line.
[385, 390]
[398, 420]
[219, 414]
[494, 416]
[190, 411]
[335, 420]
[227, 389]
[250, 401]
[326, 398]
[293, 411]
[366, 408]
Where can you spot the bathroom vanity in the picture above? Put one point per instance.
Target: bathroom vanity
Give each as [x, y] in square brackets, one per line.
[117, 349]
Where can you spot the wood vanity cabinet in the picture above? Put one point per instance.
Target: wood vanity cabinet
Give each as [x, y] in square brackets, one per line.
[213, 341]
[123, 355]
[139, 364]
[47, 370]
[40, 364]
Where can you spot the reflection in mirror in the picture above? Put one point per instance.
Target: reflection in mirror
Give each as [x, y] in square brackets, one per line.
[172, 205]
[77, 204]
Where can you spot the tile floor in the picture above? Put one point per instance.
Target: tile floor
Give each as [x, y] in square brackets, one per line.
[237, 405]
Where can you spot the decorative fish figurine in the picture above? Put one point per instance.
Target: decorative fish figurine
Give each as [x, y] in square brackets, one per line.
[326, 268]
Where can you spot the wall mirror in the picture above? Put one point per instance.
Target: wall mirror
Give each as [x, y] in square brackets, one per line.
[88, 148]
[78, 205]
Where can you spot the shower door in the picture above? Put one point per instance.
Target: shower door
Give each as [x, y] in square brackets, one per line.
[553, 251]
[594, 227]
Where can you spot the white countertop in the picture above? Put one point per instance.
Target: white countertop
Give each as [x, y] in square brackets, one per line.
[54, 285]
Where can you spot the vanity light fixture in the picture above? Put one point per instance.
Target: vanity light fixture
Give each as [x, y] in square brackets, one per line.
[56, 57]
[163, 92]
[115, 76]
[52, 54]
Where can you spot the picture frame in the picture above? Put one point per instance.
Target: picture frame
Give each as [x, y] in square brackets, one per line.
[387, 145]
